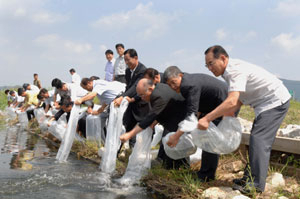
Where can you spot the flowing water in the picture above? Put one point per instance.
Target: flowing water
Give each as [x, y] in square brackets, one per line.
[28, 169]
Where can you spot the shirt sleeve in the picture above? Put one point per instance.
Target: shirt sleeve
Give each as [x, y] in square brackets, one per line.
[58, 114]
[237, 81]
[192, 100]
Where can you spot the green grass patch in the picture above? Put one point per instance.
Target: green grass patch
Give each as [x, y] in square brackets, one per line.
[292, 116]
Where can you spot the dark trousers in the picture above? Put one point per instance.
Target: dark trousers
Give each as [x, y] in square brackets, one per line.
[82, 126]
[262, 137]
[129, 122]
[120, 78]
[30, 114]
[209, 161]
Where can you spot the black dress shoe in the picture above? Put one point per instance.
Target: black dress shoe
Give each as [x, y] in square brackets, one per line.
[247, 189]
[240, 181]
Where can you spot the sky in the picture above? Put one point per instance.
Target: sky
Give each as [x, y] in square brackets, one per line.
[49, 37]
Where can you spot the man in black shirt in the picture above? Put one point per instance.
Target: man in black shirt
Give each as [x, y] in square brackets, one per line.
[166, 108]
[137, 109]
[203, 93]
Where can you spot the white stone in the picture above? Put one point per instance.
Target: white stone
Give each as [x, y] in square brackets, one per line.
[291, 131]
[282, 197]
[246, 125]
[222, 193]
[276, 180]
[216, 192]
[240, 197]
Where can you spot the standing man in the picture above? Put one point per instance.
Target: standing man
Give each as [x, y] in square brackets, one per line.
[203, 93]
[109, 67]
[137, 109]
[252, 85]
[75, 77]
[36, 81]
[120, 65]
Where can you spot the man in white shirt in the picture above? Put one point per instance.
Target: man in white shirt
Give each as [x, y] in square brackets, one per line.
[251, 85]
[105, 91]
[109, 67]
[75, 77]
[120, 65]
[48, 97]
[67, 89]
[31, 88]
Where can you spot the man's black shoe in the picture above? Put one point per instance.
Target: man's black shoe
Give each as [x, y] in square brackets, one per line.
[247, 189]
[240, 181]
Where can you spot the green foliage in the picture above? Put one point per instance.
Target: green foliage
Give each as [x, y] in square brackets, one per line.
[292, 117]
[3, 100]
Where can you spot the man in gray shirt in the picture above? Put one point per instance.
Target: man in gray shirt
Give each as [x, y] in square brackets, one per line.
[120, 65]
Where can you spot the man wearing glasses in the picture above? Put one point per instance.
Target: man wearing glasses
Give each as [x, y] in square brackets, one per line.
[251, 85]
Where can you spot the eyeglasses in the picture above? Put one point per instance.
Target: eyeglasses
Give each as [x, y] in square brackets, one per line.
[210, 64]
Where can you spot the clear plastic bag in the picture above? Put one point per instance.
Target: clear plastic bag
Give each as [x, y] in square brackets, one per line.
[184, 148]
[11, 112]
[139, 160]
[189, 124]
[58, 128]
[23, 119]
[112, 140]
[159, 129]
[66, 144]
[40, 116]
[220, 140]
[93, 128]
[196, 157]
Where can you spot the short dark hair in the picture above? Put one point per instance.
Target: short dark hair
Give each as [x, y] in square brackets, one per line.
[25, 86]
[66, 101]
[39, 96]
[92, 78]
[170, 72]
[72, 70]
[85, 81]
[6, 91]
[217, 50]
[132, 53]
[56, 83]
[35, 74]
[109, 52]
[43, 91]
[120, 45]
[11, 92]
[151, 73]
[21, 91]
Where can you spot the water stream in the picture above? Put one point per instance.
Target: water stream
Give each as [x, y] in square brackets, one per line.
[28, 169]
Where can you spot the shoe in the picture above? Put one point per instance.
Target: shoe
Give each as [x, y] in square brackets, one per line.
[203, 179]
[247, 189]
[240, 181]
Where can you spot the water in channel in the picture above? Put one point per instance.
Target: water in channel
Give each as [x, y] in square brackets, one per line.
[28, 170]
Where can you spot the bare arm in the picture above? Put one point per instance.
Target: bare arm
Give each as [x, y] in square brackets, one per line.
[126, 136]
[100, 110]
[87, 97]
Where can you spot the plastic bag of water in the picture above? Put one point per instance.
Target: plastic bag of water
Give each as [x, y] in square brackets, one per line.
[220, 140]
[184, 148]
[159, 129]
[112, 140]
[93, 128]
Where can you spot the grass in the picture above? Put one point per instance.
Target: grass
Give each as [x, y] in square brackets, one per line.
[292, 116]
[3, 100]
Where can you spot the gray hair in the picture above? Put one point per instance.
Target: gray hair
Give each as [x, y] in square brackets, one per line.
[170, 72]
